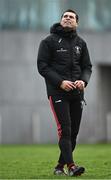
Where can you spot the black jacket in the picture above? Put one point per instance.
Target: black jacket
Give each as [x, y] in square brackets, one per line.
[63, 55]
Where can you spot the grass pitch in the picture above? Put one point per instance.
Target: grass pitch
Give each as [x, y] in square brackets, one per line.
[38, 161]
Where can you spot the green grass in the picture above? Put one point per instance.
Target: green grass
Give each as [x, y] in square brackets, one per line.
[38, 161]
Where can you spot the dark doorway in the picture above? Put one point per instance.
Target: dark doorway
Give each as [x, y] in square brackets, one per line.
[104, 94]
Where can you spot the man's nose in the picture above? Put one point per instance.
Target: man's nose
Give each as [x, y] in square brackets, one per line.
[68, 17]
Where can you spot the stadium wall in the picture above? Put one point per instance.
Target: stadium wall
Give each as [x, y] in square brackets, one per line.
[25, 115]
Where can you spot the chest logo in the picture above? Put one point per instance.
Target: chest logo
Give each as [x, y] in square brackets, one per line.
[61, 50]
[77, 49]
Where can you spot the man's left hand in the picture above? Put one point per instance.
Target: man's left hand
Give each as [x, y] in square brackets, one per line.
[79, 84]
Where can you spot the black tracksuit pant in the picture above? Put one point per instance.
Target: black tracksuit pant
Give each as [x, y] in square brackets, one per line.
[67, 110]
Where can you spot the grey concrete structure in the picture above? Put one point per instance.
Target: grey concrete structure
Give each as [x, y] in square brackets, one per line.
[25, 115]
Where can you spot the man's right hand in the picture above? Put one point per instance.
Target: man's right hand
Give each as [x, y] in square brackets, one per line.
[67, 85]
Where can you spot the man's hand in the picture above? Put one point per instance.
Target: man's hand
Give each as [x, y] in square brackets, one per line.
[79, 84]
[67, 85]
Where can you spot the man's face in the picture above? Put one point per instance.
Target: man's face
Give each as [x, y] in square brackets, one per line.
[69, 20]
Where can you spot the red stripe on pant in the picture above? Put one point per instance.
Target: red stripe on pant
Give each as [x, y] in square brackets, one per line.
[56, 118]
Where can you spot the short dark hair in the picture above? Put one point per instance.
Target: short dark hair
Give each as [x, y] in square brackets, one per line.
[70, 10]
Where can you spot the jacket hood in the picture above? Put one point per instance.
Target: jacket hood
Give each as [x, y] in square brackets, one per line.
[58, 29]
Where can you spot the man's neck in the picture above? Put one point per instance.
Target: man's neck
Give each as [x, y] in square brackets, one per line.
[68, 29]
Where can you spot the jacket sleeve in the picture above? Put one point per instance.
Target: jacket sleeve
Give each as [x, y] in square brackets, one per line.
[44, 65]
[86, 65]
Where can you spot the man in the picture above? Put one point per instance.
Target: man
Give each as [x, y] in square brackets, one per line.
[63, 60]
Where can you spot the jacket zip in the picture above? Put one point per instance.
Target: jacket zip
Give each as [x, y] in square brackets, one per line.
[71, 56]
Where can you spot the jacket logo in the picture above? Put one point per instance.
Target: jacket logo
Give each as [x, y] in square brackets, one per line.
[77, 49]
[61, 50]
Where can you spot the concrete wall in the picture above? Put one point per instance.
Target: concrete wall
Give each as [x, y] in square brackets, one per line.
[25, 115]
